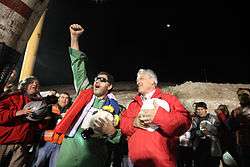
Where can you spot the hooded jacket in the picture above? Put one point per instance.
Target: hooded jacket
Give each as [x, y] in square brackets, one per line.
[157, 148]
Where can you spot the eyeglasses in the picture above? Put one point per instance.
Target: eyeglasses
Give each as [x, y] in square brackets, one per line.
[101, 79]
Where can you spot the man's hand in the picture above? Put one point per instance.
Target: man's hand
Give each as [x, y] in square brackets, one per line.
[147, 115]
[23, 112]
[104, 126]
[138, 123]
[75, 30]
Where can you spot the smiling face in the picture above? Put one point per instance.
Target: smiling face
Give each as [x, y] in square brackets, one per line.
[145, 83]
[101, 86]
[63, 100]
[33, 87]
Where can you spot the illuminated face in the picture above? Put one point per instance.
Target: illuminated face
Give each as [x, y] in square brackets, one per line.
[201, 111]
[63, 100]
[101, 86]
[145, 83]
[33, 87]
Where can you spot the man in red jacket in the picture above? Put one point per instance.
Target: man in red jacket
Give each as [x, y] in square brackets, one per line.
[152, 122]
[17, 134]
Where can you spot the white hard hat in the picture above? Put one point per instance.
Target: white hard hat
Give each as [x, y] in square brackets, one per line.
[229, 160]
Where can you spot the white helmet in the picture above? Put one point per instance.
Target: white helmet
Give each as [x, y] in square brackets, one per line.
[39, 110]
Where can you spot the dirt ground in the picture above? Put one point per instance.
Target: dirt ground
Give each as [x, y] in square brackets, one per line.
[188, 93]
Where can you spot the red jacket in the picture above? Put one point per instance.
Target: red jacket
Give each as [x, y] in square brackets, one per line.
[15, 129]
[148, 149]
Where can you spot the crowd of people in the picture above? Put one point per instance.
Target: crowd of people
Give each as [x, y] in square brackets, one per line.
[222, 137]
[94, 130]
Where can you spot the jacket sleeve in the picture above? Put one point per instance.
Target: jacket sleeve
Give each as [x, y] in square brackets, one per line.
[127, 119]
[7, 112]
[213, 128]
[78, 67]
[173, 123]
[116, 138]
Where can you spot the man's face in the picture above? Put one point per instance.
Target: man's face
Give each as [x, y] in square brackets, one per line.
[101, 85]
[244, 98]
[63, 100]
[33, 87]
[202, 112]
[145, 84]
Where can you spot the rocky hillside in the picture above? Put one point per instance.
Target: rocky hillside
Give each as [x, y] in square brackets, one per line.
[188, 93]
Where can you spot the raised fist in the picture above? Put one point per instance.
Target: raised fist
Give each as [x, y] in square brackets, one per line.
[75, 30]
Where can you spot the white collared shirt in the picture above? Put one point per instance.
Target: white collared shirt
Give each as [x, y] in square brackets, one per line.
[148, 95]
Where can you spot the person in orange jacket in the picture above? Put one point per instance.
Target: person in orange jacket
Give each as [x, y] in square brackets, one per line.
[49, 148]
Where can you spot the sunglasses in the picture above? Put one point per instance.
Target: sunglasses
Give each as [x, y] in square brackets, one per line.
[101, 79]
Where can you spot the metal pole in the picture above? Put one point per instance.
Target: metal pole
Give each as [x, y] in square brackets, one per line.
[31, 50]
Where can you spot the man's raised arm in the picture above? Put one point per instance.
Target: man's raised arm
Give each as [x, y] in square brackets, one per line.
[78, 59]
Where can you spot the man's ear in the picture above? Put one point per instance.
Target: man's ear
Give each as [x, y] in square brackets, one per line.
[110, 87]
[153, 83]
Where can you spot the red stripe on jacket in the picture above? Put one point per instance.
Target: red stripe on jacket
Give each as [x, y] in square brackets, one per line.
[74, 112]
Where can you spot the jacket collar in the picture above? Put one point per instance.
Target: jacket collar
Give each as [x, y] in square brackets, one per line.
[157, 94]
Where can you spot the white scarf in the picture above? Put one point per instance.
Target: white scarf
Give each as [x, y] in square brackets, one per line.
[81, 118]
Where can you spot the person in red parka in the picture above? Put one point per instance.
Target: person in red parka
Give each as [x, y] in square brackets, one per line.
[17, 134]
[152, 122]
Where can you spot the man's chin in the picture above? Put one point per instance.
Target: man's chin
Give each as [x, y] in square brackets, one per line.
[97, 93]
[139, 90]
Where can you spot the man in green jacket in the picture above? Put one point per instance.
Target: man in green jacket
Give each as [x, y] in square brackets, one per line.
[81, 147]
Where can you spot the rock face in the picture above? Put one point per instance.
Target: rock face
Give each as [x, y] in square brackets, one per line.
[188, 93]
[211, 93]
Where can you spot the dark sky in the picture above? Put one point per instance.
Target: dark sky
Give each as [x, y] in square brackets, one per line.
[206, 41]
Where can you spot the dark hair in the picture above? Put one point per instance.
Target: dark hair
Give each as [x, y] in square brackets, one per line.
[24, 83]
[224, 108]
[241, 91]
[110, 77]
[66, 93]
[70, 101]
[200, 104]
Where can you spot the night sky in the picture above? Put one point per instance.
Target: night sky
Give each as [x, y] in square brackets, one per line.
[180, 41]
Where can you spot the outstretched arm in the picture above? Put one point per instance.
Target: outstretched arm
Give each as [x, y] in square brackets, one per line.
[78, 59]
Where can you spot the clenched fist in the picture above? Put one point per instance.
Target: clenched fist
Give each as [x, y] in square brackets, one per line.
[75, 30]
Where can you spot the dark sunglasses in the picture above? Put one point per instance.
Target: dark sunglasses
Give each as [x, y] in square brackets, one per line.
[101, 79]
